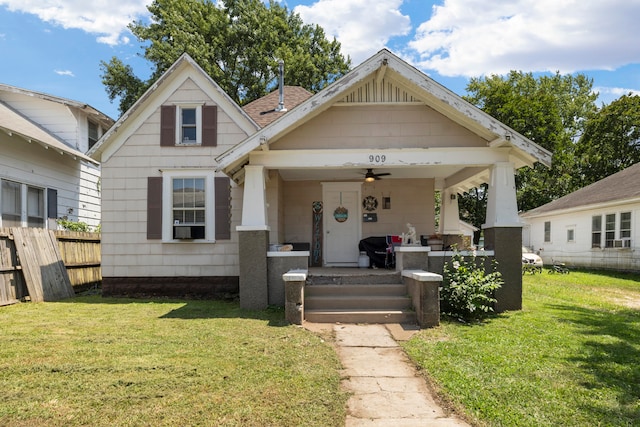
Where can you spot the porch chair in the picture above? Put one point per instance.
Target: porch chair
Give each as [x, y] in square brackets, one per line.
[392, 242]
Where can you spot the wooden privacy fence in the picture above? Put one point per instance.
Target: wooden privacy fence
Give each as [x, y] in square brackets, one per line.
[43, 265]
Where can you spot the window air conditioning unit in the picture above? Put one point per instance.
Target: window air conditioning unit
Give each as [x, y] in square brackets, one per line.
[618, 243]
[188, 232]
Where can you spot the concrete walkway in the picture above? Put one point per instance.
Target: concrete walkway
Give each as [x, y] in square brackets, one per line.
[387, 389]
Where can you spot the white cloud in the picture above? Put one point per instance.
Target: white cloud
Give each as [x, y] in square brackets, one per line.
[608, 94]
[479, 37]
[361, 26]
[108, 19]
[64, 73]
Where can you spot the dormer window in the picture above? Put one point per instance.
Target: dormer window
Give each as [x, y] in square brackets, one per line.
[94, 133]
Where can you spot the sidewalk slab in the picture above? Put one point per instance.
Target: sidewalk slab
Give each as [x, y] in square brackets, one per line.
[363, 336]
[386, 388]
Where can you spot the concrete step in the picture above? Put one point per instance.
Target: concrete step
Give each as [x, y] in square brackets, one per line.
[355, 303]
[364, 276]
[361, 316]
[356, 290]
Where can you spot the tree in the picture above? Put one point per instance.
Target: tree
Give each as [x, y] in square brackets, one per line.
[238, 43]
[549, 110]
[611, 140]
[473, 209]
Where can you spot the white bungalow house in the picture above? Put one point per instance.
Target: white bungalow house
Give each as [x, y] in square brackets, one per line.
[597, 226]
[44, 172]
[199, 194]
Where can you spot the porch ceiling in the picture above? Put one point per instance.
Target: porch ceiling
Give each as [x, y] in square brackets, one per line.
[458, 178]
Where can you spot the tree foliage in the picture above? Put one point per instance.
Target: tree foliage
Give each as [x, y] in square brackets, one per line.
[237, 42]
[551, 110]
[611, 140]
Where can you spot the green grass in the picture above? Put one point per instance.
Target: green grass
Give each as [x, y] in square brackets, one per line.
[103, 362]
[571, 357]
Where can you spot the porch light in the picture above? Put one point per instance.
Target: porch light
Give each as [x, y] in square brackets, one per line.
[369, 176]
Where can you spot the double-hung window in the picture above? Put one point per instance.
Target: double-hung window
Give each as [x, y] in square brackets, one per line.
[189, 131]
[22, 205]
[11, 202]
[187, 205]
[617, 230]
[625, 229]
[547, 231]
[610, 230]
[596, 231]
[94, 133]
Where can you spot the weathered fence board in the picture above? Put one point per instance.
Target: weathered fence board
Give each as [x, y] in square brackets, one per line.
[42, 266]
[81, 254]
[53, 264]
[12, 287]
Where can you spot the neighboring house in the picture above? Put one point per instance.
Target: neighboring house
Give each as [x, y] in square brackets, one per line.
[597, 226]
[44, 172]
[196, 189]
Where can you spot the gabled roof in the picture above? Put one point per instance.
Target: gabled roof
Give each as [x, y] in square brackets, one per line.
[427, 90]
[96, 114]
[264, 111]
[14, 123]
[621, 186]
[184, 68]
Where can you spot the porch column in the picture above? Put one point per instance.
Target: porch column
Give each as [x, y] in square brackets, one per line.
[254, 202]
[253, 241]
[503, 235]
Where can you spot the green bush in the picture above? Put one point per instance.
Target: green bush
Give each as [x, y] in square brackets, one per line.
[73, 225]
[467, 291]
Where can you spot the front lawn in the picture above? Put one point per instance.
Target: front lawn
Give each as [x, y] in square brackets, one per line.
[104, 362]
[571, 357]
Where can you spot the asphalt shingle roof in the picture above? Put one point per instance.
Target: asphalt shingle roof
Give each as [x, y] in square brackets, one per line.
[619, 186]
[263, 110]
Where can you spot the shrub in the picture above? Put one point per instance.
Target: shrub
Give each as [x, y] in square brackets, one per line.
[467, 291]
[73, 225]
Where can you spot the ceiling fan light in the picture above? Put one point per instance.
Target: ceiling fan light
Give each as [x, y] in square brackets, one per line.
[369, 176]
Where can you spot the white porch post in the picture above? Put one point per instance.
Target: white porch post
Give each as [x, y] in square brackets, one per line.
[449, 213]
[502, 206]
[503, 235]
[254, 202]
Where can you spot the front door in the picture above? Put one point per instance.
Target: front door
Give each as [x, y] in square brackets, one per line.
[342, 223]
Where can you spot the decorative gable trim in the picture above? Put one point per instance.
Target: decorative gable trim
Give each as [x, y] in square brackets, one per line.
[382, 90]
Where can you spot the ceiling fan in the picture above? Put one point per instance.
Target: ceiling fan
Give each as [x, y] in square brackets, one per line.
[370, 176]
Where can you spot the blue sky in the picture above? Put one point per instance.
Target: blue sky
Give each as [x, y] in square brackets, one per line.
[55, 46]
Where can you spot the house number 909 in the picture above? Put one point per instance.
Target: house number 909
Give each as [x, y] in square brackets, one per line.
[377, 158]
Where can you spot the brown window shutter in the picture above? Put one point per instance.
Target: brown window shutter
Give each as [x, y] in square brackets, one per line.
[168, 125]
[154, 207]
[210, 126]
[223, 208]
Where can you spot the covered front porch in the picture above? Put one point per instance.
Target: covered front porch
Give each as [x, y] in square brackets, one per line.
[365, 158]
[316, 225]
